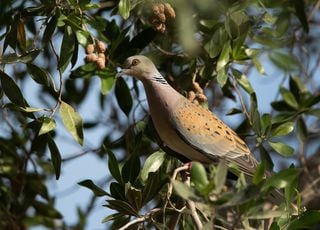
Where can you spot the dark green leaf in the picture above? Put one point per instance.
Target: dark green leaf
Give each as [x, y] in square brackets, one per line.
[134, 197]
[40, 75]
[123, 207]
[152, 164]
[131, 169]
[46, 209]
[300, 9]
[152, 187]
[50, 28]
[111, 217]
[307, 220]
[55, 156]
[281, 148]
[142, 39]
[26, 57]
[283, 129]
[265, 122]
[265, 158]
[234, 111]
[67, 48]
[94, 188]
[47, 125]
[302, 131]
[123, 95]
[11, 89]
[117, 191]
[113, 165]
[72, 121]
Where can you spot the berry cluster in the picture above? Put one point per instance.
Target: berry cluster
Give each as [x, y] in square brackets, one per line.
[161, 12]
[96, 53]
[196, 95]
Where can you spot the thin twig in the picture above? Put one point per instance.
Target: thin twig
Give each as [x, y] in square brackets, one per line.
[314, 10]
[60, 80]
[147, 216]
[243, 105]
[191, 205]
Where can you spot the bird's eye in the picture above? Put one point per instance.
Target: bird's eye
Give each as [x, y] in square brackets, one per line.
[135, 62]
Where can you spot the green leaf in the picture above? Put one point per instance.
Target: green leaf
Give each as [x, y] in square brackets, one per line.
[224, 56]
[124, 8]
[47, 125]
[184, 191]
[153, 186]
[131, 169]
[152, 164]
[301, 129]
[265, 158]
[26, 57]
[220, 176]
[55, 156]
[265, 122]
[199, 176]
[282, 179]
[259, 173]
[243, 81]
[106, 85]
[281, 148]
[83, 37]
[134, 197]
[284, 61]
[122, 207]
[67, 48]
[11, 90]
[111, 217]
[307, 220]
[283, 129]
[113, 166]
[72, 121]
[50, 28]
[40, 76]
[94, 188]
[300, 9]
[289, 98]
[222, 77]
[117, 191]
[123, 96]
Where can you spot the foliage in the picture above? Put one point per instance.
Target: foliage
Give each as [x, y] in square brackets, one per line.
[220, 45]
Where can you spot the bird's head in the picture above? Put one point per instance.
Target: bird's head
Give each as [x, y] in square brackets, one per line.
[138, 66]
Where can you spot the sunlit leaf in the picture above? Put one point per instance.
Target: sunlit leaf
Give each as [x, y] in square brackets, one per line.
[283, 129]
[199, 176]
[307, 220]
[184, 191]
[72, 121]
[152, 164]
[124, 8]
[281, 148]
[224, 56]
[282, 179]
[47, 125]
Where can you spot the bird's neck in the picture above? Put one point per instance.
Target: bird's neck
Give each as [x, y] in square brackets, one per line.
[159, 91]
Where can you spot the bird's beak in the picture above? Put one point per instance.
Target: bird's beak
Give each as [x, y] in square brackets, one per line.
[125, 70]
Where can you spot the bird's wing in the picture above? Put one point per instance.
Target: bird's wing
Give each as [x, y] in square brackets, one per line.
[202, 130]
